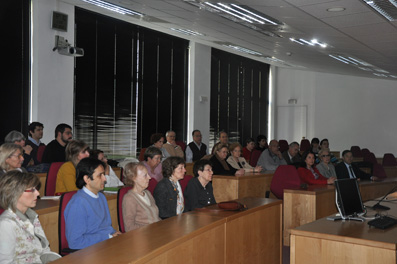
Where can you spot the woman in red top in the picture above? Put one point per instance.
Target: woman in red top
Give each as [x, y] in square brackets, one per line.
[247, 150]
[309, 174]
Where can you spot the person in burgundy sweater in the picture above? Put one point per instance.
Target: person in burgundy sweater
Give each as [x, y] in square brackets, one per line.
[309, 173]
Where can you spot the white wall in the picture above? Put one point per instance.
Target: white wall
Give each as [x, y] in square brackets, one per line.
[347, 110]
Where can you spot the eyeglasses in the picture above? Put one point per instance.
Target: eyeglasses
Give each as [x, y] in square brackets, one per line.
[33, 189]
[207, 170]
[17, 155]
[323, 156]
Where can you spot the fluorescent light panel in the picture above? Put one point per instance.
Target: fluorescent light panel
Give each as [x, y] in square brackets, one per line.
[112, 7]
[241, 49]
[387, 8]
[187, 32]
[311, 43]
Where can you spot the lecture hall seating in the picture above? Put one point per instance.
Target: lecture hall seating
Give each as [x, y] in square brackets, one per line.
[63, 243]
[283, 144]
[389, 160]
[51, 180]
[120, 195]
[285, 177]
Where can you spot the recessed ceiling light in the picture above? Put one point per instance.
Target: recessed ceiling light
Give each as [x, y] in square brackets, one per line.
[336, 9]
[187, 31]
[113, 7]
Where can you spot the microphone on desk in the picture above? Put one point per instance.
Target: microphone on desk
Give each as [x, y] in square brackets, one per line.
[377, 206]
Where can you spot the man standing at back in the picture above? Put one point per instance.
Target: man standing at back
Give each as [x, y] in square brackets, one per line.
[195, 150]
[87, 216]
[35, 134]
[55, 150]
[271, 157]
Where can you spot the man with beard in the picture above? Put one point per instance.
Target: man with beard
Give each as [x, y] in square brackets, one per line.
[55, 150]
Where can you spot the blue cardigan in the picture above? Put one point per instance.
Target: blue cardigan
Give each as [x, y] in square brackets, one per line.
[87, 220]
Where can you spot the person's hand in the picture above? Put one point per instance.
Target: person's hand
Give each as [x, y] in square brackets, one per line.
[331, 180]
[258, 169]
[279, 155]
[374, 178]
[116, 234]
[27, 149]
[240, 172]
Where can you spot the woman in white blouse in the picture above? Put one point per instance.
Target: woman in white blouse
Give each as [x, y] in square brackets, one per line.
[236, 161]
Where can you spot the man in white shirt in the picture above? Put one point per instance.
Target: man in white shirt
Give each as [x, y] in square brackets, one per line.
[195, 150]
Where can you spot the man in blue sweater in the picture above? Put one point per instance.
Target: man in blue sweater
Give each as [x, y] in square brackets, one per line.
[87, 216]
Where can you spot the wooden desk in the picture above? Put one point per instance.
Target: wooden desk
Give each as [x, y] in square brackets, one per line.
[342, 242]
[189, 168]
[48, 211]
[251, 236]
[305, 206]
[228, 188]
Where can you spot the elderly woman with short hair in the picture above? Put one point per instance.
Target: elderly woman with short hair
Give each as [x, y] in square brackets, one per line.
[219, 164]
[157, 140]
[139, 206]
[18, 138]
[76, 150]
[22, 238]
[325, 167]
[236, 161]
[11, 158]
[168, 192]
[152, 162]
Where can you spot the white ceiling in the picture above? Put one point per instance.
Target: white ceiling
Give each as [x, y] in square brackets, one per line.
[357, 31]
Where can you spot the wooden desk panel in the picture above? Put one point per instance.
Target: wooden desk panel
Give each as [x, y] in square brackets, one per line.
[228, 188]
[391, 171]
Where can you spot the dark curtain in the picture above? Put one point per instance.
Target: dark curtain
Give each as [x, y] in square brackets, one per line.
[15, 75]
[239, 97]
[127, 85]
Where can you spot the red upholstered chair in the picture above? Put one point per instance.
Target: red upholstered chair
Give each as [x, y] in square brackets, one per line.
[40, 152]
[379, 172]
[63, 243]
[254, 157]
[152, 185]
[51, 179]
[370, 158]
[283, 144]
[389, 160]
[181, 144]
[184, 182]
[356, 151]
[305, 145]
[285, 177]
[142, 154]
[365, 152]
[120, 195]
[1, 210]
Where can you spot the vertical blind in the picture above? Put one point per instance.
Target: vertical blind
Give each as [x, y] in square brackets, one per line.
[239, 97]
[130, 83]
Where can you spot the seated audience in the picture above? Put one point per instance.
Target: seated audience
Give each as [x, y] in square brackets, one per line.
[19, 139]
[152, 162]
[271, 157]
[76, 150]
[292, 155]
[22, 238]
[168, 192]
[171, 147]
[139, 206]
[35, 134]
[309, 173]
[347, 169]
[219, 164]
[325, 144]
[223, 140]
[87, 217]
[11, 158]
[157, 140]
[112, 180]
[199, 192]
[261, 143]
[249, 147]
[55, 150]
[314, 145]
[325, 167]
[238, 162]
[195, 150]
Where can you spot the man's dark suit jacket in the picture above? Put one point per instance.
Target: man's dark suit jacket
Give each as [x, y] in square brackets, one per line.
[343, 173]
[295, 160]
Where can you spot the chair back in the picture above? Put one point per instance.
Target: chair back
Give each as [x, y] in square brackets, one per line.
[283, 144]
[1, 210]
[142, 154]
[285, 177]
[40, 152]
[120, 195]
[51, 180]
[379, 171]
[254, 157]
[152, 185]
[63, 243]
[356, 151]
[305, 145]
[181, 144]
[370, 158]
[184, 182]
[365, 152]
[389, 160]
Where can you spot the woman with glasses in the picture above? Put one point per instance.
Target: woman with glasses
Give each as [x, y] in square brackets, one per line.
[18, 138]
[325, 167]
[219, 164]
[168, 192]
[199, 192]
[238, 162]
[309, 173]
[11, 158]
[22, 238]
[76, 150]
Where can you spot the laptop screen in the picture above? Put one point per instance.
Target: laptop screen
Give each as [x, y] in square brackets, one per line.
[348, 197]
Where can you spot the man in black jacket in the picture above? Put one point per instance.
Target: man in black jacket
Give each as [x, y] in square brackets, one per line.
[346, 169]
